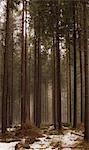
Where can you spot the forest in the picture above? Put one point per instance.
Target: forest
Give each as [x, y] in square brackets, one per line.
[44, 74]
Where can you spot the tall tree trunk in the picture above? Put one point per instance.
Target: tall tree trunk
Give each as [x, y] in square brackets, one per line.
[37, 74]
[58, 76]
[68, 88]
[86, 74]
[27, 98]
[70, 84]
[56, 84]
[46, 100]
[80, 57]
[11, 72]
[25, 102]
[5, 79]
[23, 72]
[39, 81]
[68, 80]
[53, 85]
[75, 75]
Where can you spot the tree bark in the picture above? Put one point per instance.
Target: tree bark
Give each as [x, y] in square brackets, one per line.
[5, 74]
[86, 74]
[53, 85]
[75, 75]
[68, 55]
[27, 97]
[23, 72]
[58, 77]
[37, 73]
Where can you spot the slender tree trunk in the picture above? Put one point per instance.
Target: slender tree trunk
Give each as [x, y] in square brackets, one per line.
[70, 83]
[29, 87]
[37, 75]
[25, 103]
[53, 85]
[56, 84]
[81, 67]
[39, 81]
[86, 75]
[27, 98]
[68, 80]
[68, 59]
[75, 75]
[5, 86]
[46, 100]
[70, 89]
[11, 103]
[58, 77]
[23, 72]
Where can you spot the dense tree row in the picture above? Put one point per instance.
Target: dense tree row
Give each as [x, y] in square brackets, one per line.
[45, 46]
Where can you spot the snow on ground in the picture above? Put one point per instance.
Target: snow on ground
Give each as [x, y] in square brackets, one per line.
[8, 146]
[11, 129]
[50, 142]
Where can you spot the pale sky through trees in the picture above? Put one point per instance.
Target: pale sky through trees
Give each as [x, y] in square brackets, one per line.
[2, 6]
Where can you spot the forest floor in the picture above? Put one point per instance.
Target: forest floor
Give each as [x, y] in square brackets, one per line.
[44, 139]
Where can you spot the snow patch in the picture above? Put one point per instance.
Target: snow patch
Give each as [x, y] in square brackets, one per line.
[8, 146]
[66, 140]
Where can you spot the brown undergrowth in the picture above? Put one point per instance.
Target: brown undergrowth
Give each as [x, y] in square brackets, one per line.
[27, 131]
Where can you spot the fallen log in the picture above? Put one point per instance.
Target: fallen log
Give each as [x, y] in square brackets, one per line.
[75, 147]
[82, 135]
